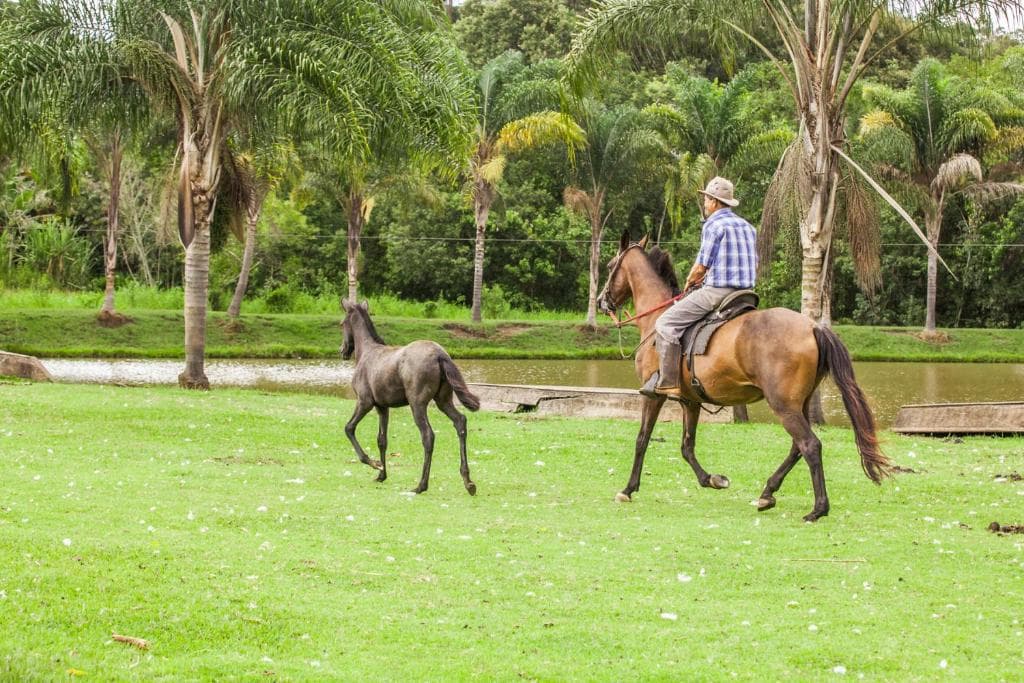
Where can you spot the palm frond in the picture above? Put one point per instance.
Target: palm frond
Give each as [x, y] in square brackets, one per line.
[493, 170]
[543, 128]
[785, 202]
[863, 227]
[956, 172]
[992, 192]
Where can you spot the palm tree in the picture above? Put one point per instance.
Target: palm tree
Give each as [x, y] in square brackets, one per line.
[828, 46]
[713, 129]
[252, 175]
[516, 110]
[343, 72]
[928, 139]
[621, 149]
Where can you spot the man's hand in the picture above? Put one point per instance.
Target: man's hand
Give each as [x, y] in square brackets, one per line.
[696, 276]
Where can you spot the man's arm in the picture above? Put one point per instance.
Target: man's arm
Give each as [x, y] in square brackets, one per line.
[696, 275]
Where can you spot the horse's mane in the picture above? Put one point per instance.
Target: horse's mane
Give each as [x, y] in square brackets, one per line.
[369, 325]
[662, 264]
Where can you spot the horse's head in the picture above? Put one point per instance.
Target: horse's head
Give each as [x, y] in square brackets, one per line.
[348, 337]
[616, 289]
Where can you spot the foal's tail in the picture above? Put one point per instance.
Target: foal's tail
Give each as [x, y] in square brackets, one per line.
[835, 359]
[454, 377]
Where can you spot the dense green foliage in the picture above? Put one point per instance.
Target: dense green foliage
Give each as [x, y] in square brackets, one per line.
[418, 245]
[235, 532]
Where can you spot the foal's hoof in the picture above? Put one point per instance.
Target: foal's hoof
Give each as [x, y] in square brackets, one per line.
[419, 489]
[765, 503]
[376, 464]
[471, 488]
[382, 476]
[622, 497]
[718, 481]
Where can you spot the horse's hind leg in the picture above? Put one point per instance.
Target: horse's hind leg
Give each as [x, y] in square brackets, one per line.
[692, 416]
[382, 441]
[809, 446]
[362, 408]
[774, 483]
[419, 414]
[444, 402]
[650, 407]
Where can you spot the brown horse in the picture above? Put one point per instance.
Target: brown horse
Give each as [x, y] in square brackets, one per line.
[776, 354]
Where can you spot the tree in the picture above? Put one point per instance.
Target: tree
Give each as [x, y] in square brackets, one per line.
[251, 174]
[621, 150]
[342, 72]
[540, 29]
[511, 116]
[713, 129]
[928, 140]
[828, 47]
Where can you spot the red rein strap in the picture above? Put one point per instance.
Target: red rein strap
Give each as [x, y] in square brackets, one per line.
[633, 318]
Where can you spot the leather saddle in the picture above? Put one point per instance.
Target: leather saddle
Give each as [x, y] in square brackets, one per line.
[695, 339]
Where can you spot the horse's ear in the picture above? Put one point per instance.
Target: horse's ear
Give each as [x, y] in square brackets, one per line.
[624, 240]
[643, 242]
[344, 305]
[365, 305]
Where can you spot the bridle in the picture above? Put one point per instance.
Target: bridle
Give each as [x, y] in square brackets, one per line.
[618, 321]
[612, 308]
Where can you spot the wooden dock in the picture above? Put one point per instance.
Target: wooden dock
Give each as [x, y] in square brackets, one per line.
[577, 402]
[961, 418]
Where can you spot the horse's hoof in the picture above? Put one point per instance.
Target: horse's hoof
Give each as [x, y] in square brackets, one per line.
[718, 481]
[376, 464]
[814, 516]
[471, 488]
[381, 477]
[418, 490]
[765, 503]
[621, 497]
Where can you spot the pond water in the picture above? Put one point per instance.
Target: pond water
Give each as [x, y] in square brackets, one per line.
[887, 385]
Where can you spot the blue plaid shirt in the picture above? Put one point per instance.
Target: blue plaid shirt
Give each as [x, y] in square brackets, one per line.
[728, 248]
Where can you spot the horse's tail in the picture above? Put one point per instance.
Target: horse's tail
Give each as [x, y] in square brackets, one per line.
[454, 377]
[835, 359]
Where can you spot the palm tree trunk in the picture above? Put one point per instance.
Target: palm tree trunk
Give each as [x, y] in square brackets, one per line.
[252, 218]
[113, 227]
[816, 231]
[481, 209]
[596, 229]
[933, 225]
[197, 277]
[355, 231]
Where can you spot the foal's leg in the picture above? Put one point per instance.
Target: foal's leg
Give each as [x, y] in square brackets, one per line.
[419, 414]
[444, 402]
[809, 447]
[382, 441]
[650, 407]
[715, 481]
[362, 408]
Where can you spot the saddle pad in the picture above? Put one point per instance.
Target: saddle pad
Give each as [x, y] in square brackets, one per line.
[695, 340]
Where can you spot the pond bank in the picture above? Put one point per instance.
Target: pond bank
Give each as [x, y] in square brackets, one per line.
[159, 334]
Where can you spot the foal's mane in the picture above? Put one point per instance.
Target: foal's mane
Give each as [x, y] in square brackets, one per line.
[371, 330]
[661, 261]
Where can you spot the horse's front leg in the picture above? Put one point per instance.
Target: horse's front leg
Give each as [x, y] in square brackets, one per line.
[650, 409]
[692, 416]
[362, 408]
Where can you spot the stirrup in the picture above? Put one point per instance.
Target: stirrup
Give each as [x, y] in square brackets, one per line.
[650, 387]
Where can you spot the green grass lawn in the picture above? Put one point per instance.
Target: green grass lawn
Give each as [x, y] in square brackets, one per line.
[69, 333]
[235, 532]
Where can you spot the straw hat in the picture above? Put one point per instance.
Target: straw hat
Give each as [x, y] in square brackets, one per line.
[720, 189]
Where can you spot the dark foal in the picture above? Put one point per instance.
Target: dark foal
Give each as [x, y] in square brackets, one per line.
[389, 377]
[777, 355]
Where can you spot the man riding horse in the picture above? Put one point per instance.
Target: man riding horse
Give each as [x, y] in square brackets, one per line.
[726, 263]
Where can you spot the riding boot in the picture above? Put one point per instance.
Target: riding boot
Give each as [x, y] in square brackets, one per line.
[665, 382]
